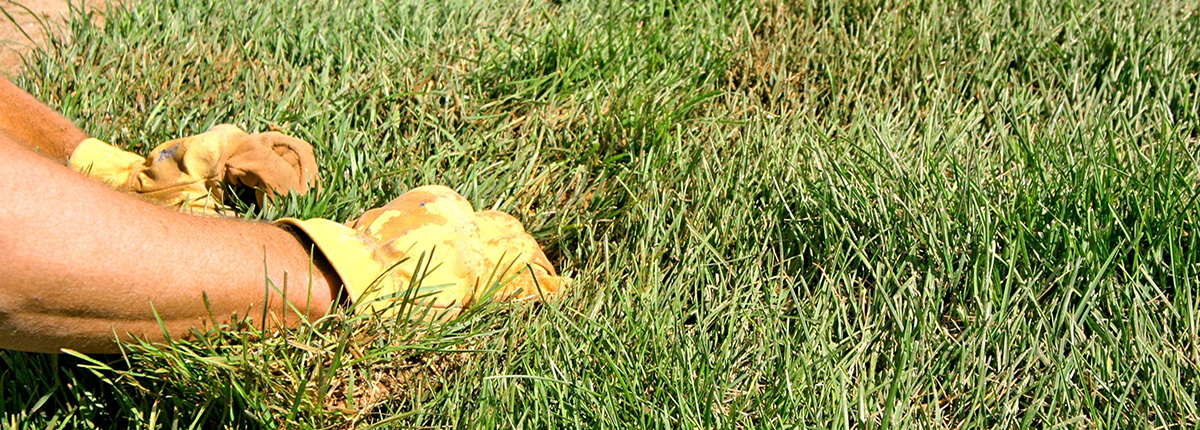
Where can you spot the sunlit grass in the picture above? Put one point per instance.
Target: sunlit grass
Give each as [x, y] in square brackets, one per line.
[833, 215]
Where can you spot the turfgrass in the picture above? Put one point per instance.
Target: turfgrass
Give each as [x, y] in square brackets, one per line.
[777, 214]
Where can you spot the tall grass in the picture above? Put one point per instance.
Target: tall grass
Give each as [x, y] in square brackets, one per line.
[831, 214]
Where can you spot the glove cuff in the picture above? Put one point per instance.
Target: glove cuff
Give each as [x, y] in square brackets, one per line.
[373, 286]
[106, 164]
[343, 250]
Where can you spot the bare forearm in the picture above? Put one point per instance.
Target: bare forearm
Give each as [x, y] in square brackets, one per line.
[27, 122]
[80, 262]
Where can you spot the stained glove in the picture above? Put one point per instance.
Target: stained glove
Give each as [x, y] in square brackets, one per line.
[188, 173]
[429, 248]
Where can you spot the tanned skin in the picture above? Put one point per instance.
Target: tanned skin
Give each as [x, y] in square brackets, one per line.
[27, 122]
[82, 265]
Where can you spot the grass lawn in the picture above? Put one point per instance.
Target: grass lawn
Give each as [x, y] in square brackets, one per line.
[830, 214]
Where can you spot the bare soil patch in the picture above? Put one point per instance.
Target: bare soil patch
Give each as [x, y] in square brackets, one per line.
[27, 24]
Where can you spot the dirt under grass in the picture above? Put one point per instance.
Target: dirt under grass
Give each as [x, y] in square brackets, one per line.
[30, 23]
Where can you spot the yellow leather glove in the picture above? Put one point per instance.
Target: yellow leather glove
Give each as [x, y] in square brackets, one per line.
[187, 173]
[430, 238]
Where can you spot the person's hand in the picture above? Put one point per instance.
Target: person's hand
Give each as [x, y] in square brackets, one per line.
[188, 173]
[430, 249]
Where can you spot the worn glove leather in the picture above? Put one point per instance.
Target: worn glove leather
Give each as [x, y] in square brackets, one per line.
[188, 173]
[430, 249]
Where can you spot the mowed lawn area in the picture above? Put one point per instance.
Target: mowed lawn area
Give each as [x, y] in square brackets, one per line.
[777, 214]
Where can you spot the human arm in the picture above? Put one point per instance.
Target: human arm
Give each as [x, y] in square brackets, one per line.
[80, 262]
[27, 122]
